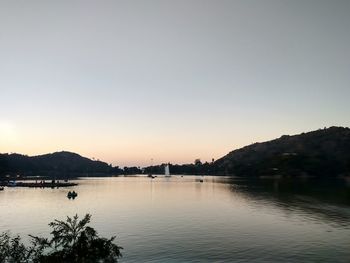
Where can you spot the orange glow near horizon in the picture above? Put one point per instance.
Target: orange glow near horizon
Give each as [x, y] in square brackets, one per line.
[126, 149]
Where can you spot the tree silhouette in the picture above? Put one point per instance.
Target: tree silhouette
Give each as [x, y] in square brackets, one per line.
[72, 241]
[11, 249]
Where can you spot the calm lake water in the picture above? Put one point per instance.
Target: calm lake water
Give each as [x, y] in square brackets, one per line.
[180, 219]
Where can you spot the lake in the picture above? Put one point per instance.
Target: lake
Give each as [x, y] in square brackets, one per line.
[180, 219]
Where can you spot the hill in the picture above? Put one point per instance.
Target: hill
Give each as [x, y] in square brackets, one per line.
[323, 152]
[54, 164]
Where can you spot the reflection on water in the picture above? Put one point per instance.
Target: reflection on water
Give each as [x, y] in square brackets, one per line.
[327, 200]
[180, 219]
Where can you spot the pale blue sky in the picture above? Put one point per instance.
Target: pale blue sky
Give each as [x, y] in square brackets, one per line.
[127, 81]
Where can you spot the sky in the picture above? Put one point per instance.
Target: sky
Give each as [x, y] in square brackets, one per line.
[130, 81]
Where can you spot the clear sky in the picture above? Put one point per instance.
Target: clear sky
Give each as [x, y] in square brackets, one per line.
[127, 81]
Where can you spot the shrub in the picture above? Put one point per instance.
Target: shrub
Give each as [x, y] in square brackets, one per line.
[72, 241]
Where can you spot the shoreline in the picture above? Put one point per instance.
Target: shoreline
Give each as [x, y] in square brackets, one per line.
[38, 185]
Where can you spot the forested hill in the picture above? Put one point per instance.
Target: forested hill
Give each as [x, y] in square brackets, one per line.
[60, 163]
[323, 152]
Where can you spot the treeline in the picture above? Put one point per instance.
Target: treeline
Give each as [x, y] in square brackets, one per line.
[196, 168]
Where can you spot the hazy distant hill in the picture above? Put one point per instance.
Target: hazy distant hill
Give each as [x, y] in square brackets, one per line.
[60, 163]
[323, 152]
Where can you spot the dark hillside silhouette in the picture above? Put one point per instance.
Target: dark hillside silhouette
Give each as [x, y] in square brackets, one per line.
[55, 164]
[325, 152]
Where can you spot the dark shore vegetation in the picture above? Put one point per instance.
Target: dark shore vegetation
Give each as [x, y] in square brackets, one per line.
[72, 241]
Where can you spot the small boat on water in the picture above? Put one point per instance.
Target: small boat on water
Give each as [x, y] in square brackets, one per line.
[72, 195]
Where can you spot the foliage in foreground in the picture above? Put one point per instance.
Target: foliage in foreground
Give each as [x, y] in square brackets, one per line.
[72, 241]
